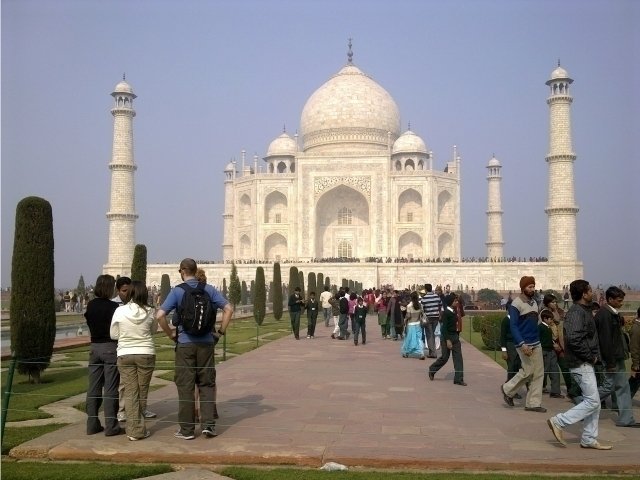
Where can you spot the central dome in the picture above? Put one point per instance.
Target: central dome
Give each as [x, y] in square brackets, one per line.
[350, 111]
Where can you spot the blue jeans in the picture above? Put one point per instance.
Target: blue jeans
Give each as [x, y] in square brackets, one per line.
[588, 409]
[327, 315]
[617, 382]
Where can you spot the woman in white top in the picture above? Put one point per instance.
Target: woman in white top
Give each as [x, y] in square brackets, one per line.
[133, 326]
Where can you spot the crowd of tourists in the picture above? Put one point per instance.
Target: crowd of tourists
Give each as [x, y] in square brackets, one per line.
[541, 344]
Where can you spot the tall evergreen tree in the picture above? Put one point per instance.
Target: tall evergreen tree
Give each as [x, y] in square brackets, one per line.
[320, 282]
[311, 284]
[234, 286]
[301, 282]
[327, 282]
[270, 293]
[294, 279]
[165, 287]
[243, 292]
[139, 263]
[252, 292]
[32, 310]
[260, 297]
[81, 289]
[277, 291]
[225, 290]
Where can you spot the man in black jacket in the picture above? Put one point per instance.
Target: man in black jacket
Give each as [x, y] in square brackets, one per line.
[613, 349]
[582, 352]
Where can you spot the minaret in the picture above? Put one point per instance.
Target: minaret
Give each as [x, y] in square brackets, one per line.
[227, 216]
[495, 243]
[122, 208]
[561, 206]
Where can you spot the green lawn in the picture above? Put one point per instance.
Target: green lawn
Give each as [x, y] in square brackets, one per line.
[12, 470]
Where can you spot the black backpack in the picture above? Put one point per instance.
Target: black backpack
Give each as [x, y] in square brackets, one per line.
[196, 313]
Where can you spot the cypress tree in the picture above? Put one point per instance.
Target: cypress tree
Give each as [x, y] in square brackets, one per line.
[270, 293]
[260, 297]
[32, 310]
[311, 284]
[294, 279]
[277, 291]
[225, 291]
[234, 286]
[345, 283]
[320, 281]
[327, 282]
[80, 289]
[252, 292]
[165, 287]
[243, 293]
[139, 263]
[301, 284]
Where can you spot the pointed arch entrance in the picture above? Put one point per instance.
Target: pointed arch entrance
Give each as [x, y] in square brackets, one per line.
[342, 224]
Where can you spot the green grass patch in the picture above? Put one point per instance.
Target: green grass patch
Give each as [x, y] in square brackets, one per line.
[79, 471]
[56, 385]
[243, 473]
[14, 436]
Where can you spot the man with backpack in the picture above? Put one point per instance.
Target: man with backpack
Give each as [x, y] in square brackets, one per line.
[196, 305]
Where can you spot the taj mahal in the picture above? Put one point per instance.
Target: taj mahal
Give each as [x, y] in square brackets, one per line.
[353, 196]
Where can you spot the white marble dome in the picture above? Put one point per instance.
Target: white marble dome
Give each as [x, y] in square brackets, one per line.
[123, 87]
[494, 162]
[282, 145]
[350, 108]
[559, 73]
[409, 142]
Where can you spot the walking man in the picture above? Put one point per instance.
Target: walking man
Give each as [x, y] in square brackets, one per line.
[295, 309]
[194, 356]
[523, 318]
[325, 296]
[432, 306]
[582, 353]
[613, 350]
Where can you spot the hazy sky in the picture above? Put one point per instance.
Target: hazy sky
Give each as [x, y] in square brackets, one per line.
[216, 77]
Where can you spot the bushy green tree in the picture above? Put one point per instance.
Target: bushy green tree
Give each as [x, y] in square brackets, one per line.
[234, 286]
[139, 263]
[260, 297]
[488, 295]
[165, 287]
[277, 291]
[32, 310]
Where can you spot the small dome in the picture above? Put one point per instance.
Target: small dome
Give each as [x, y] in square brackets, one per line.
[494, 162]
[409, 142]
[283, 145]
[229, 167]
[559, 72]
[123, 87]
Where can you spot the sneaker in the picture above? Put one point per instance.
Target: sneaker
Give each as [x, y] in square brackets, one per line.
[596, 446]
[535, 409]
[146, 435]
[557, 432]
[308, 336]
[122, 417]
[182, 436]
[148, 414]
[210, 432]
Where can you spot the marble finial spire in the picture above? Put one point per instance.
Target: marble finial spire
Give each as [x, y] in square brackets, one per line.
[350, 52]
[558, 62]
[124, 76]
[284, 128]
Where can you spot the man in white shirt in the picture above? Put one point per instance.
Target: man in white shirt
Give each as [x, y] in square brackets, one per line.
[326, 306]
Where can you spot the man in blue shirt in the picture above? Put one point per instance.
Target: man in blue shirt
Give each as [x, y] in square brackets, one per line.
[194, 356]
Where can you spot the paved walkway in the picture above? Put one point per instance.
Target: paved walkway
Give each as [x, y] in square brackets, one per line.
[309, 402]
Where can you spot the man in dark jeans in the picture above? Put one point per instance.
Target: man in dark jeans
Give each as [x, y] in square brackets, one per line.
[194, 357]
[296, 303]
